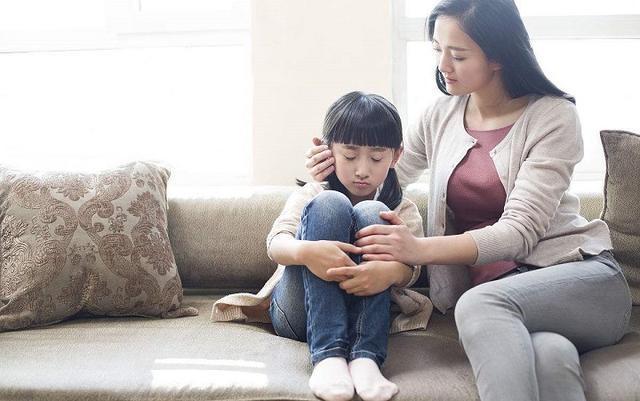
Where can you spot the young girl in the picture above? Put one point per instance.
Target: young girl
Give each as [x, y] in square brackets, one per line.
[501, 147]
[345, 318]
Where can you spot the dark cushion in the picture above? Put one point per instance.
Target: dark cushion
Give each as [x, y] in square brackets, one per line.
[622, 202]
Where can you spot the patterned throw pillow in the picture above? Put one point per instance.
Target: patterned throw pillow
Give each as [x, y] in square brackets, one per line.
[93, 244]
[621, 200]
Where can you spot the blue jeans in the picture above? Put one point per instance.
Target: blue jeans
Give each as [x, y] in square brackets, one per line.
[306, 308]
[523, 334]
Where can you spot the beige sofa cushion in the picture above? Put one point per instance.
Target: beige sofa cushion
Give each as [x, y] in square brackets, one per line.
[93, 243]
[622, 202]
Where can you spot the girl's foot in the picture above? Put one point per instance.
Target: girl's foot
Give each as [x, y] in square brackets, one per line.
[331, 380]
[369, 382]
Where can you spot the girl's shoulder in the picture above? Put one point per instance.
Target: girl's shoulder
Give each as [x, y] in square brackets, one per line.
[406, 206]
[311, 188]
[411, 216]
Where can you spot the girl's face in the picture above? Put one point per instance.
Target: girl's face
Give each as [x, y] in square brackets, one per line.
[362, 169]
[461, 61]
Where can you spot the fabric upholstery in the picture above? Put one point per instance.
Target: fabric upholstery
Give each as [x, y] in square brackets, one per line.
[86, 243]
[621, 200]
[210, 234]
[128, 359]
[219, 240]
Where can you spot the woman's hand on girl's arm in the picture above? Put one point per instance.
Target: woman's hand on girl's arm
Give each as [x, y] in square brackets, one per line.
[371, 278]
[393, 242]
[320, 161]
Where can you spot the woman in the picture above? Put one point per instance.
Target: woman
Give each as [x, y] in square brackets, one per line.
[501, 148]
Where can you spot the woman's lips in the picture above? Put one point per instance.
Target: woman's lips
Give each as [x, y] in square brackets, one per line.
[361, 184]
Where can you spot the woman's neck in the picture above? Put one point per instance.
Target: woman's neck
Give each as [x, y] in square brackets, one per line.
[493, 108]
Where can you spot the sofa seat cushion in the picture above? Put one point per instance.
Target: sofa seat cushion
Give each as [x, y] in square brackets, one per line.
[192, 358]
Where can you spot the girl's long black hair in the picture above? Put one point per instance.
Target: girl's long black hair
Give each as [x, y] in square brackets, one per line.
[496, 26]
[363, 119]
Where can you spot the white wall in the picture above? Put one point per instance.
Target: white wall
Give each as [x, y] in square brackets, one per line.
[307, 53]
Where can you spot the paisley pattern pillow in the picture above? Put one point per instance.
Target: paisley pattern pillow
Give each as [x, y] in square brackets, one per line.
[93, 244]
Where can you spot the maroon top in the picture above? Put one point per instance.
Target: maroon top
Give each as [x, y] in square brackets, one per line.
[476, 196]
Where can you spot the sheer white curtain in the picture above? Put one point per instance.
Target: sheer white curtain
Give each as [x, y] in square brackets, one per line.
[87, 84]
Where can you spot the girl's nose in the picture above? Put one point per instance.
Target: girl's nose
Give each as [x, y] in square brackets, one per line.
[361, 173]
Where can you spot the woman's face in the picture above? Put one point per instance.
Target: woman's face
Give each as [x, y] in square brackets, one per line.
[461, 61]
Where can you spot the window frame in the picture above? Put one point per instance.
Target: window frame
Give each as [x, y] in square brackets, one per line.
[127, 26]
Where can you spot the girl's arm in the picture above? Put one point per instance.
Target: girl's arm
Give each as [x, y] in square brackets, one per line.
[371, 277]
[317, 256]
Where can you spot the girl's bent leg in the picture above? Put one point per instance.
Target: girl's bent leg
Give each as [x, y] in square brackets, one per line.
[287, 313]
[586, 302]
[287, 309]
[369, 316]
[327, 217]
[369, 319]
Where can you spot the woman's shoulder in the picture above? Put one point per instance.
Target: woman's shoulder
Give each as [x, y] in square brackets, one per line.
[551, 106]
[440, 111]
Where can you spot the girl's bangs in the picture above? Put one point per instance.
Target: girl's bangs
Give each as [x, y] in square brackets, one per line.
[376, 128]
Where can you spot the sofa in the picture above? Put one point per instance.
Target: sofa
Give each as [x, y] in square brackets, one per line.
[218, 239]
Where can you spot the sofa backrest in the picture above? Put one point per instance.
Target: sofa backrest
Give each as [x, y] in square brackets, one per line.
[219, 240]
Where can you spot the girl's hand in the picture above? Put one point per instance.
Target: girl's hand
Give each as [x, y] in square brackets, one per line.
[368, 278]
[320, 161]
[389, 242]
[319, 256]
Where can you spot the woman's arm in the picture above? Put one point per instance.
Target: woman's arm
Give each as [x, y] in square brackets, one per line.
[397, 242]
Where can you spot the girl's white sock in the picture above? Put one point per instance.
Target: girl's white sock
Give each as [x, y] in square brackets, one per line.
[331, 380]
[369, 382]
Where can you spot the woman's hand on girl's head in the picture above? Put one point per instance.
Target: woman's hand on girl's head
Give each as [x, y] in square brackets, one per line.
[320, 161]
[393, 242]
[365, 279]
[319, 256]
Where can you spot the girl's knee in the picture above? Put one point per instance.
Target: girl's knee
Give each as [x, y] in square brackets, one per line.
[368, 212]
[330, 197]
[330, 200]
[330, 204]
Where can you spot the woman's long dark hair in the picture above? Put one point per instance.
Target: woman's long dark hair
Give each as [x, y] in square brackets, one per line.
[496, 26]
[363, 119]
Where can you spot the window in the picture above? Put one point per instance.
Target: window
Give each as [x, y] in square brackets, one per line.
[88, 84]
[588, 48]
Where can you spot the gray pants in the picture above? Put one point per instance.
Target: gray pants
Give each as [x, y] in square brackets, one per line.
[523, 333]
